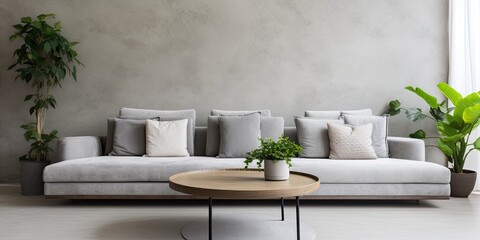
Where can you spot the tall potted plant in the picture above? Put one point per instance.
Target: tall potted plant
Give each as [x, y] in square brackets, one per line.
[454, 125]
[276, 157]
[43, 61]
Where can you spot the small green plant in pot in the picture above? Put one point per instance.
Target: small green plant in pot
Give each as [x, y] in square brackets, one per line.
[275, 156]
[43, 61]
[454, 125]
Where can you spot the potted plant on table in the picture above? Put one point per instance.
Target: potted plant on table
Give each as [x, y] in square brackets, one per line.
[43, 61]
[275, 156]
[454, 125]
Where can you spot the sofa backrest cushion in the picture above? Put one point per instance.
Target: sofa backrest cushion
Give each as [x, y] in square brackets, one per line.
[217, 112]
[167, 115]
[200, 141]
[379, 133]
[270, 127]
[312, 136]
[291, 133]
[337, 114]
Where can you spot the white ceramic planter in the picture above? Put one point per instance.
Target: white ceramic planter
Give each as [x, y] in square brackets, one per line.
[276, 170]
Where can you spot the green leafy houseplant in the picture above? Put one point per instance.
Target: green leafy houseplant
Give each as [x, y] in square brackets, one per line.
[281, 150]
[454, 125]
[43, 61]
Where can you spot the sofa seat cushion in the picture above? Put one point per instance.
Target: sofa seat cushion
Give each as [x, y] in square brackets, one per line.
[151, 169]
[131, 168]
[381, 170]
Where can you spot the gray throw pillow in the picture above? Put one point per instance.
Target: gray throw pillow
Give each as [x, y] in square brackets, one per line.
[111, 132]
[337, 114]
[312, 136]
[379, 133]
[270, 127]
[166, 115]
[238, 135]
[128, 137]
[217, 112]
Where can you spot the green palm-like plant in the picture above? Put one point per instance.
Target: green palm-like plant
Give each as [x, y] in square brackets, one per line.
[43, 61]
[454, 125]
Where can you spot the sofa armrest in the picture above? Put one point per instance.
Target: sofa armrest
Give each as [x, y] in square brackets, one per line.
[78, 147]
[406, 148]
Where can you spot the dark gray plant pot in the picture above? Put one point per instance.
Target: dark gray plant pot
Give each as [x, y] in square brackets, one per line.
[462, 184]
[31, 177]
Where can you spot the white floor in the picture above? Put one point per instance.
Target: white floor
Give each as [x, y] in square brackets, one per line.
[38, 218]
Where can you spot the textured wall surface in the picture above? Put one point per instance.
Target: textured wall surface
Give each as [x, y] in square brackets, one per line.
[284, 55]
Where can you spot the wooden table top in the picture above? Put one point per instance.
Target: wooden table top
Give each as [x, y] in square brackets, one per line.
[242, 184]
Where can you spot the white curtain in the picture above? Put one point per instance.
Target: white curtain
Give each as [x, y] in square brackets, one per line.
[464, 57]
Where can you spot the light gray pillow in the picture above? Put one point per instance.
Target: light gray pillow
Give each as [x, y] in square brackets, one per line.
[379, 132]
[167, 115]
[270, 127]
[238, 135]
[351, 142]
[337, 114]
[217, 112]
[312, 136]
[128, 137]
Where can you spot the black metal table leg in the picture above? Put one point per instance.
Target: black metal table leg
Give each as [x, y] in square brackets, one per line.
[298, 217]
[283, 213]
[210, 218]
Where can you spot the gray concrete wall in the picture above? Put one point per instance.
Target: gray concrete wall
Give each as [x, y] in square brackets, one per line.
[287, 56]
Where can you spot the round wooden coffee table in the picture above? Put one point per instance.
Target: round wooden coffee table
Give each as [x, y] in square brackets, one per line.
[241, 184]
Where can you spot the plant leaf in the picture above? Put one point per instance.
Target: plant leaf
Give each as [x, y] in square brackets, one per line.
[415, 114]
[392, 112]
[471, 114]
[445, 129]
[37, 24]
[462, 104]
[431, 100]
[394, 104]
[394, 107]
[450, 93]
[74, 73]
[47, 47]
[438, 113]
[476, 144]
[446, 149]
[42, 17]
[453, 138]
[419, 134]
[28, 97]
[57, 26]
[26, 19]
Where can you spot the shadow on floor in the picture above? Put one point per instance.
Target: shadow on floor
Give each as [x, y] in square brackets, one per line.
[138, 228]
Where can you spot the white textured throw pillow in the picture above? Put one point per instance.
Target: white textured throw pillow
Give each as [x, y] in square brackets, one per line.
[351, 142]
[166, 138]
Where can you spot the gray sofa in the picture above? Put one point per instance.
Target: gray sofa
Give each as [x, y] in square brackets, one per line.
[83, 172]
